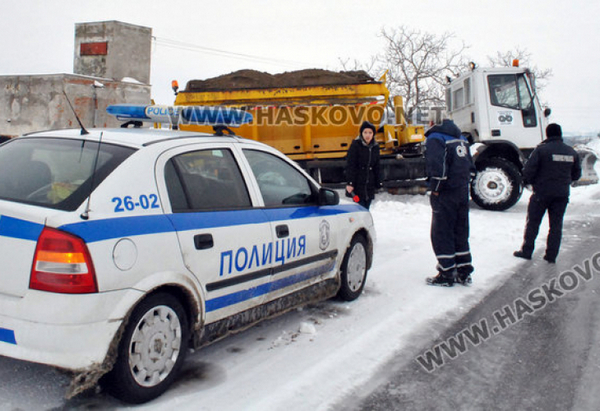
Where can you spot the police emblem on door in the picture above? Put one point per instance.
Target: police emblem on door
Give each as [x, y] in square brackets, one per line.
[324, 234]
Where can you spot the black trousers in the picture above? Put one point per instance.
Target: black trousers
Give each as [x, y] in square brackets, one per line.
[450, 231]
[536, 210]
[365, 195]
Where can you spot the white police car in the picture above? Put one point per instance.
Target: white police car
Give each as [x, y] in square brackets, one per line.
[122, 248]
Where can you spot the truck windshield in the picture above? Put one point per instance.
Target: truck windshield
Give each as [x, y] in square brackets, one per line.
[511, 91]
[55, 172]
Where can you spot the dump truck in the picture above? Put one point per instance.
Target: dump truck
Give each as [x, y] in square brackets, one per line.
[313, 115]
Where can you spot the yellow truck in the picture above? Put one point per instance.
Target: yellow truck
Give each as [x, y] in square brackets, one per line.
[313, 115]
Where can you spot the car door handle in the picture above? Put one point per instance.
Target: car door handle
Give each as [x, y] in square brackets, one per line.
[203, 241]
[282, 231]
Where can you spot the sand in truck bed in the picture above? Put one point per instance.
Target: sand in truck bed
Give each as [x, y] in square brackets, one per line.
[252, 79]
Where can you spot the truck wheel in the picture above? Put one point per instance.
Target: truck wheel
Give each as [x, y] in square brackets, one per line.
[151, 351]
[354, 270]
[497, 185]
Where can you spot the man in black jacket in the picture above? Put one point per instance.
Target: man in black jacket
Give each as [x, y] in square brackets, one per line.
[449, 169]
[550, 169]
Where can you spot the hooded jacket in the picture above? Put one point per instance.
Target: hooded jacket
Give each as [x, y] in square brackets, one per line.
[447, 157]
[551, 168]
[362, 167]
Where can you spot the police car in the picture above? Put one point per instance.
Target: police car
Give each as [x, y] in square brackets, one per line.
[121, 249]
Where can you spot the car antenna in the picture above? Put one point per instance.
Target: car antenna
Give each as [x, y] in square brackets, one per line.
[83, 130]
[86, 213]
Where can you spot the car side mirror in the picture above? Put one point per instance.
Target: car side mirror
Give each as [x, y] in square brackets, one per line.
[547, 112]
[328, 197]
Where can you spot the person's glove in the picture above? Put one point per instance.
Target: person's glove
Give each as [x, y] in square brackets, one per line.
[353, 196]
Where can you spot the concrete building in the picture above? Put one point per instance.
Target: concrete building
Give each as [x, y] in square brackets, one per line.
[111, 66]
[113, 50]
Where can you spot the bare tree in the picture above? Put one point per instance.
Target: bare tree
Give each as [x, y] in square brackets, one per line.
[505, 59]
[369, 67]
[417, 64]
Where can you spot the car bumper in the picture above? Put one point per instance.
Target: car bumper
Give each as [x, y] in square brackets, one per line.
[72, 332]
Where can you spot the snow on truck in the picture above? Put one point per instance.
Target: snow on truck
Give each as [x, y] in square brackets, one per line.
[312, 116]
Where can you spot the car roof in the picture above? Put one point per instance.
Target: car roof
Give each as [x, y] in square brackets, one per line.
[132, 137]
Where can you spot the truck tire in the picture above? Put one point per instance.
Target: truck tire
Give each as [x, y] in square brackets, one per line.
[151, 351]
[497, 185]
[354, 269]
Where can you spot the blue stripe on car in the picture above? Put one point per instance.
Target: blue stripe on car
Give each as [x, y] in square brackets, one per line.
[7, 336]
[99, 230]
[17, 228]
[241, 296]
[106, 229]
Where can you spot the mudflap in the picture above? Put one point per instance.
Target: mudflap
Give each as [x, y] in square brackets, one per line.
[588, 159]
[88, 378]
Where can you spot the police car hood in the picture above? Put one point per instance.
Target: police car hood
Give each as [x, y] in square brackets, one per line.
[20, 227]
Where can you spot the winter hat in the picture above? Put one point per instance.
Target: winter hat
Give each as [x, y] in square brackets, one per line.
[365, 125]
[553, 130]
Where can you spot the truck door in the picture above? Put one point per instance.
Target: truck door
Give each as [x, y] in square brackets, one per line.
[221, 235]
[514, 114]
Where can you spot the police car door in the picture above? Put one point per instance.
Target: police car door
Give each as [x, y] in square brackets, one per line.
[223, 239]
[304, 248]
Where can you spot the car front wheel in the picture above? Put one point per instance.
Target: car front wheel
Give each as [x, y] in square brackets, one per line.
[354, 270]
[151, 351]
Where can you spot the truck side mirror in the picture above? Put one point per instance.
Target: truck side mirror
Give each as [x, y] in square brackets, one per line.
[547, 112]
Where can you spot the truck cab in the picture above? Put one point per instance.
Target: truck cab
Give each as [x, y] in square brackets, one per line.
[498, 111]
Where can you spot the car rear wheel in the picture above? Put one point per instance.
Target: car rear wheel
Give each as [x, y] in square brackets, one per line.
[354, 270]
[151, 351]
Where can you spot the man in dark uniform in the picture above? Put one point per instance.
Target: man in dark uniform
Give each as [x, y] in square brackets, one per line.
[550, 169]
[449, 168]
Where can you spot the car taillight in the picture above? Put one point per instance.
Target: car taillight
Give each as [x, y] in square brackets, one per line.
[62, 264]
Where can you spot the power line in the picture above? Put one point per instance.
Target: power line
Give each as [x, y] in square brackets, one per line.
[174, 44]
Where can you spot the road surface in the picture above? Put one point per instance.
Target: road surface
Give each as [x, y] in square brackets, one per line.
[533, 344]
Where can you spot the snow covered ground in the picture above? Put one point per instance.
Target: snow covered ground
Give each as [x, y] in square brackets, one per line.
[312, 358]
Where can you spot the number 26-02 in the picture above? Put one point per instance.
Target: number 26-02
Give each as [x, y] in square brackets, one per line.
[127, 203]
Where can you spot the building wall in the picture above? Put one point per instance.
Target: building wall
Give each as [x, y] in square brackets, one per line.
[34, 103]
[112, 49]
[105, 54]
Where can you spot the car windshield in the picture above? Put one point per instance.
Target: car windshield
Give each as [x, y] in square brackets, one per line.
[55, 172]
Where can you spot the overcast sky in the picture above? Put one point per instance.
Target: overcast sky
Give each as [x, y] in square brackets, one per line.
[277, 36]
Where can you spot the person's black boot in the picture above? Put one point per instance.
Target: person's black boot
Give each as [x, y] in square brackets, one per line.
[441, 280]
[550, 260]
[521, 254]
[464, 278]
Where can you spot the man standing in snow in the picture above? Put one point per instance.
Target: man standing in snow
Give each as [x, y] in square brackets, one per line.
[550, 169]
[449, 169]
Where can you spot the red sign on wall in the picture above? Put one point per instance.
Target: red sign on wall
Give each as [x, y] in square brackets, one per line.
[94, 49]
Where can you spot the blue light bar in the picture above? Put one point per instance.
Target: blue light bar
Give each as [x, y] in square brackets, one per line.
[197, 115]
[127, 112]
